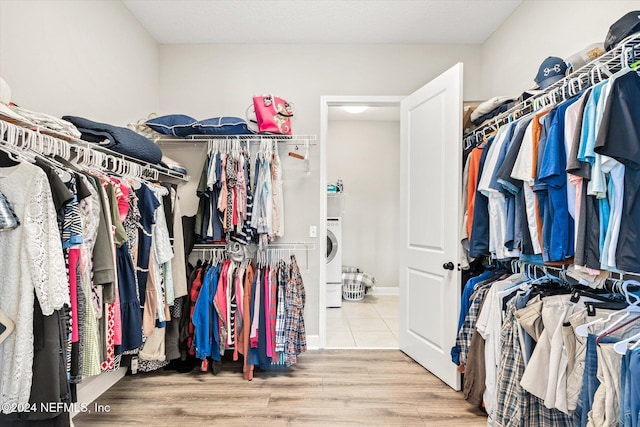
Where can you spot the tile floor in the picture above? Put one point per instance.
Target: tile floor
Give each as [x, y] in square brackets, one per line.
[370, 323]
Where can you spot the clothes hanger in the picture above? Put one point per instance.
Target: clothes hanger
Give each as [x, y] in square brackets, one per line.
[622, 346]
[611, 329]
[633, 307]
[296, 154]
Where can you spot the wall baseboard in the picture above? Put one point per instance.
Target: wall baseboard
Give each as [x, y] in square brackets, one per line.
[385, 290]
[93, 387]
[313, 342]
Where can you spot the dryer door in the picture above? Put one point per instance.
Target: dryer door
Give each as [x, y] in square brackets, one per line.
[332, 246]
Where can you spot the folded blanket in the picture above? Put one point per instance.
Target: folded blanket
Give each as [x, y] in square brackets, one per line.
[119, 139]
[171, 164]
[364, 279]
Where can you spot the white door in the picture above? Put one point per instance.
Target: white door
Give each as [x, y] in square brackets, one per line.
[430, 169]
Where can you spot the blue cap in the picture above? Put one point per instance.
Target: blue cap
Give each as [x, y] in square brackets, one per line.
[551, 70]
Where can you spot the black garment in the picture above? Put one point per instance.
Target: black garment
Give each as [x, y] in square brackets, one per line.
[172, 334]
[60, 193]
[575, 166]
[527, 243]
[591, 231]
[189, 234]
[82, 191]
[167, 205]
[49, 382]
[619, 137]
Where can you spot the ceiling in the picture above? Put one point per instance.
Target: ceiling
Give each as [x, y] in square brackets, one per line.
[321, 21]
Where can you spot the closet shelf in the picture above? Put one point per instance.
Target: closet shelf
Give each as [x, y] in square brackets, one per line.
[595, 71]
[111, 159]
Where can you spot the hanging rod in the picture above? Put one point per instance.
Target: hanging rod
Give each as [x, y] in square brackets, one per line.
[292, 245]
[590, 74]
[270, 250]
[278, 245]
[281, 139]
[63, 140]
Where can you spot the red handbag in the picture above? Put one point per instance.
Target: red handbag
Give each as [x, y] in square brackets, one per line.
[273, 114]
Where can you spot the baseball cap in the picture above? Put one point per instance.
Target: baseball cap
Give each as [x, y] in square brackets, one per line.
[550, 71]
[622, 28]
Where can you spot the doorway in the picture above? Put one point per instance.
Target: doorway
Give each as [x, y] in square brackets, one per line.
[361, 148]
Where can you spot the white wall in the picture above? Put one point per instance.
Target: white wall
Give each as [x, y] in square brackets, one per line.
[538, 29]
[85, 58]
[366, 155]
[211, 80]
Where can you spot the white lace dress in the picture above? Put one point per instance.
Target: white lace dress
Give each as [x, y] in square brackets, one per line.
[30, 259]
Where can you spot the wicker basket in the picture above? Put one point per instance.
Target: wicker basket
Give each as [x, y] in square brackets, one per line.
[353, 291]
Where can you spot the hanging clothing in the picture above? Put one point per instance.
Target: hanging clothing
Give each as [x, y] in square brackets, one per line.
[31, 260]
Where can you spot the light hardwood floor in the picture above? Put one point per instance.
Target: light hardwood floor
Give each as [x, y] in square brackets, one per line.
[325, 388]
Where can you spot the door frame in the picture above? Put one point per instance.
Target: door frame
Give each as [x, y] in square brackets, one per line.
[325, 103]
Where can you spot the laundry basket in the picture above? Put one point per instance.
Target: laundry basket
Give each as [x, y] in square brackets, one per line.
[353, 291]
[355, 284]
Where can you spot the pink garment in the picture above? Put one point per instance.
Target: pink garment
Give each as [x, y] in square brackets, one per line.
[220, 303]
[240, 291]
[267, 306]
[273, 283]
[253, 337]
[109, 364]
[74, 256]
[122, 194]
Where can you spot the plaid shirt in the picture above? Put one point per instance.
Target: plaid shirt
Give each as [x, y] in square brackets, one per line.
[516, 406]
[463, 341]
[511, 400]
[296, 341]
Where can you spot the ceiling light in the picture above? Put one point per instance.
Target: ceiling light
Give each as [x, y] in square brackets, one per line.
[355, 109]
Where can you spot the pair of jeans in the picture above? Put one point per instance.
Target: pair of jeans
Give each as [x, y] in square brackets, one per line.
[590, 381]
[625, 391]
[634, 386]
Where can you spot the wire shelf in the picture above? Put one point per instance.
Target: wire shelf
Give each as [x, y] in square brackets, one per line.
[69, 143]
[590, 74]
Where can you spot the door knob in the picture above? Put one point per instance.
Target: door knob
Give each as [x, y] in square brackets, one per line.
[448, 265]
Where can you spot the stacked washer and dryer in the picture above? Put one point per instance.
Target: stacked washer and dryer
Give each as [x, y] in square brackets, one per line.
[334, 262]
